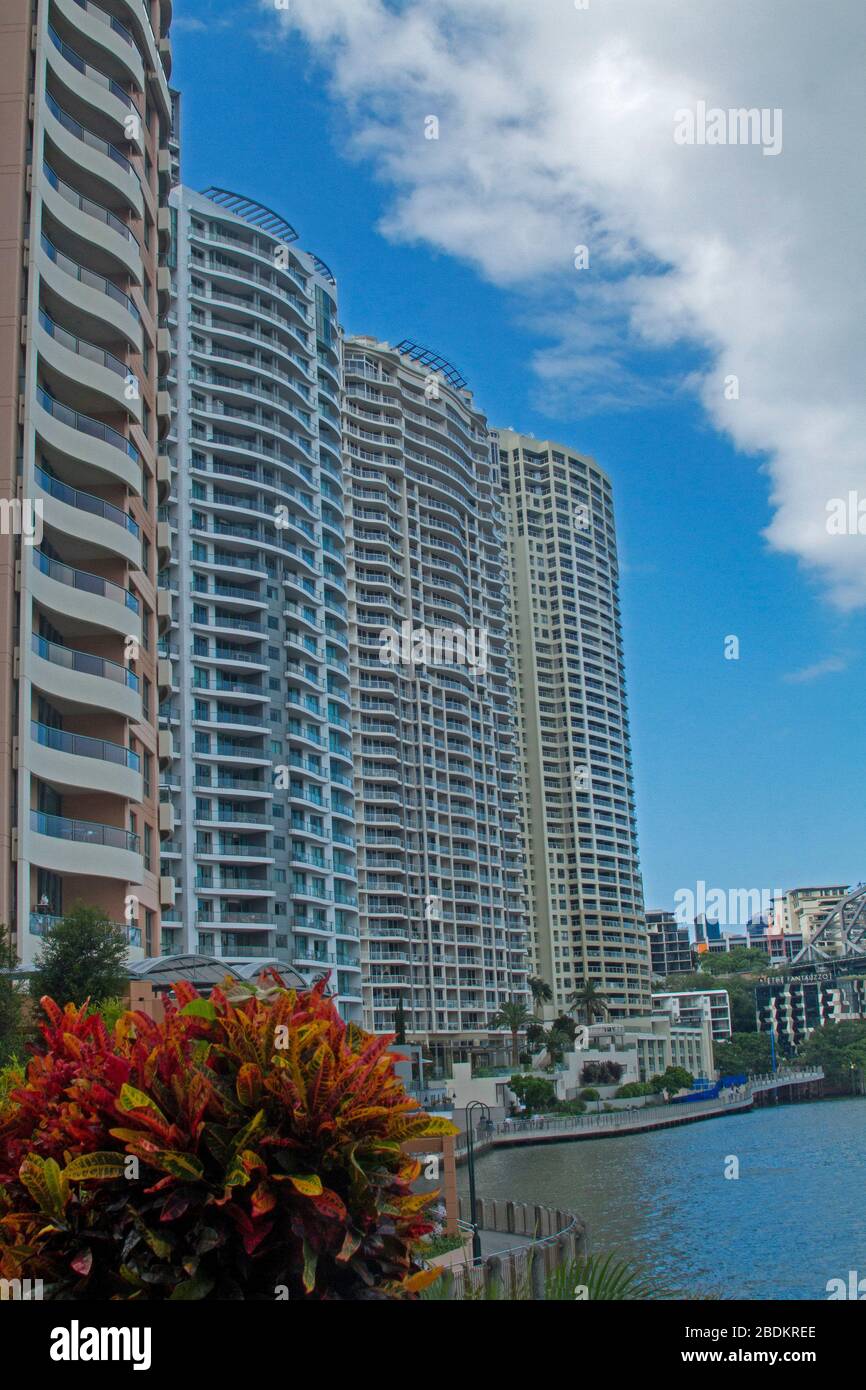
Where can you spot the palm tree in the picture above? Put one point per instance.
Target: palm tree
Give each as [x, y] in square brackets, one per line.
[514, 1016]
[540, 990]
[589, 1001]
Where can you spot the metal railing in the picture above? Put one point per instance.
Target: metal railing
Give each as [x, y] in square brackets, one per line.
[95, 74]
[81, 347]
[86, 502]
[86, 205]
[87, 137]
[83, 746]
[88, 277]
[84, 832]
[99, 13]
[96, 429]
[84, 662]
[83, 579]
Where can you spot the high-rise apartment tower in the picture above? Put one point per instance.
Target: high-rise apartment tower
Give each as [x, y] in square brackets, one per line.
[258, 854]
[84, 181]
[439, 854]
[586, 916]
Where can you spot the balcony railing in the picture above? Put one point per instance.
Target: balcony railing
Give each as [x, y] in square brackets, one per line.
[85, 425]
[88, 69]
[84, 662]
[83, 579]
[39, 921]
[86, 502]
[86, 204]
[95, 142]
[84, 832]
[99, 13]
[82, 746]
[88, 277]
[81, 347]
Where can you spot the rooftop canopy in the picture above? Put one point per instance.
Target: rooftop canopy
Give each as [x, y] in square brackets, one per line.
[208, 971]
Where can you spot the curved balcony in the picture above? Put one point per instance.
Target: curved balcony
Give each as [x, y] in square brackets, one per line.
[75, 762]
[85, 365]
[89, 293]
[82, 678]
[106, 96]
[89, 518]
[85, 598]
[81, 847]
[91, 221]
[97, 157]
[105, 31]
[157, 51]
[87, 441]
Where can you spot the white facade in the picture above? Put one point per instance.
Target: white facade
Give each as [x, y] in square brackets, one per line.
[439, 856]
[258, 797]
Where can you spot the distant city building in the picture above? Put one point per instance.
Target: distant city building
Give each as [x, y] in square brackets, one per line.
[708, 934]
[670, 945]
[691, 1007]
[778, 946]
[793, 1008]
[801, 910]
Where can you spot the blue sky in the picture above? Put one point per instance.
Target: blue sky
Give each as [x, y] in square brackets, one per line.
[749, 773]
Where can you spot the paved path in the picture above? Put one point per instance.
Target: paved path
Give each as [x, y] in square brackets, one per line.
[495, 1242]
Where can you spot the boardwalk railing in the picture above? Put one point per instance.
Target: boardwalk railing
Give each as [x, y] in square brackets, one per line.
[549, 1237]
[618, 1121]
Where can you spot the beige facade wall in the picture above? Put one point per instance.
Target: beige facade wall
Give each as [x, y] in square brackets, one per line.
[14, 92]
[86, 93]
[586, 914]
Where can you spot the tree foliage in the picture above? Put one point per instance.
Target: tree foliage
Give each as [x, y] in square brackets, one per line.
[83, 956]
[840, 1048]
[746, 1053]
[514, 1016]
[12, 1026]
[535, 1092]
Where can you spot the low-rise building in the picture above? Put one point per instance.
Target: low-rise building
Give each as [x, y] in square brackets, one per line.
[801, 910]
[640, 1047]
[670, 944]
[690, 1007]
[792, 1008]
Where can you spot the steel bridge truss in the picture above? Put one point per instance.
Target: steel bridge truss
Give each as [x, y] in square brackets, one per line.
[841, 934]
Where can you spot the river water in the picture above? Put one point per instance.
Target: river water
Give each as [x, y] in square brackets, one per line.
[793, 1219]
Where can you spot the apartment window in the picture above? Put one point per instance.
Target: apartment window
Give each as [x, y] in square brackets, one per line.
[148, 847]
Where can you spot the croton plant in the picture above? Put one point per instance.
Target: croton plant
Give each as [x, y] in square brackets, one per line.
[239, 1149]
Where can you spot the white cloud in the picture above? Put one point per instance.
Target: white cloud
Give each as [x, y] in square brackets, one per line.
[830, 666]
[556, 129]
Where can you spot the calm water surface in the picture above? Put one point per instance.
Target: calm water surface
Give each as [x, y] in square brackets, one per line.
[794, 1218]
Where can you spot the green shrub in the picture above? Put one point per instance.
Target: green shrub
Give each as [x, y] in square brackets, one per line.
[635, 1088]
[589, 1093]
[535, 1092]
[570, 1107]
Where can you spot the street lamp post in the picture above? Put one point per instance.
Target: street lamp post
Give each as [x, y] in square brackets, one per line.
[470, 1163]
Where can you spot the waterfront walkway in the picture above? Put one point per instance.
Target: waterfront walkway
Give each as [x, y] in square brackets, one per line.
[790, 1085]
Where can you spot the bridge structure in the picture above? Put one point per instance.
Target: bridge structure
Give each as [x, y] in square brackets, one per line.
[839, 942]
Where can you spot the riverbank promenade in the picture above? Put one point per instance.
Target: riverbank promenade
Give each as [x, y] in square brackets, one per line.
[792, 1085]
